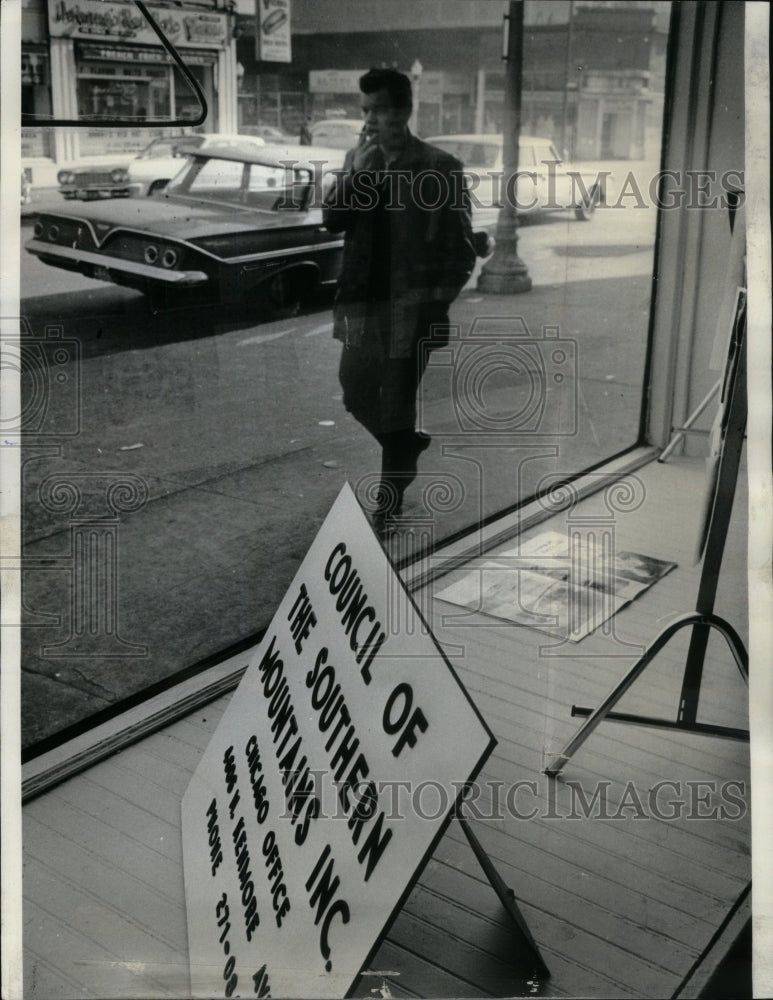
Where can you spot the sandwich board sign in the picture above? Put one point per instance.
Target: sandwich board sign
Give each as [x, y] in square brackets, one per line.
[328, 781]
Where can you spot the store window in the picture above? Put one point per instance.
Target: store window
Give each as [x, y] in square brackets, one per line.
[141, 85]
[237, 430]
[127, 91]
[35, 100]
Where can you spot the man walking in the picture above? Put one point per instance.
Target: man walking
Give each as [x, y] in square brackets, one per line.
[408, 251]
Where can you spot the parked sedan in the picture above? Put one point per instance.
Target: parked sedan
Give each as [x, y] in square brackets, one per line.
[148, 172]
[339, 133]
[164, 158]
[238, 225]
[89, 181]
[268, 132]
[545, 181]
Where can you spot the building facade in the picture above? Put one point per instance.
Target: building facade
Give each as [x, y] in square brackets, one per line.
[592, 72]
[83, 58]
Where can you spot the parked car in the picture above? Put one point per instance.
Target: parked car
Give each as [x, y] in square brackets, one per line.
[339, 133]
[119, 178]
[162, 159]
[236, 225]
[545, 182]
[98, 179]
[269, 132]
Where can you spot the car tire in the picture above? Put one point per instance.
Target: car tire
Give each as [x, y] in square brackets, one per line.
[585, 210]
[281, 295]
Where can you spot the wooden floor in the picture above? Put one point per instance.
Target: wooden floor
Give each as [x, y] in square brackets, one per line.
[622, 906]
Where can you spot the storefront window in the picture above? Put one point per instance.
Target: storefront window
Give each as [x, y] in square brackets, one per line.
[35, 100]
[236, 429]
[186, 103]
[123, 92]
[137, 84]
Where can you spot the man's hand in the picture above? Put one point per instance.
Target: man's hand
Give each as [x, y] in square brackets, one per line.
[366, 153]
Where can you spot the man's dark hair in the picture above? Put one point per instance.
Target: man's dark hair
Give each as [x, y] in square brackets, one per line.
[397, 85]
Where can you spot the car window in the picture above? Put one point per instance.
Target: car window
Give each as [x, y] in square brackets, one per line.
[170, 146]
[472, 154]
[186, 142]
[263, 178]
[335, 135]
[486, 155]
[546, 154]
[222, 178]
[255, 185]
[164, 149]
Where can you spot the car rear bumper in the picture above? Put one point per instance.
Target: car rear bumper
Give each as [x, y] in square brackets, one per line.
[100, 266]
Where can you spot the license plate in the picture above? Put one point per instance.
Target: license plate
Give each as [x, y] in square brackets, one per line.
[100, 273]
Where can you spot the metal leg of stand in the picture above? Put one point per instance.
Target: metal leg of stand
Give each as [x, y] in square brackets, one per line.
[507, 897]
[680, 431]
[598, 716]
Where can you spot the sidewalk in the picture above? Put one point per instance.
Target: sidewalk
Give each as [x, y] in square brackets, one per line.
[42, 199]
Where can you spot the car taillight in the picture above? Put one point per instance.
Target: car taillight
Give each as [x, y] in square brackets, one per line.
[169, 258]
[151, 254]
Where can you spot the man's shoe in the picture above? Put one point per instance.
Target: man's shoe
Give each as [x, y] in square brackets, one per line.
[418, 442]
[383, 524]
[422, 439]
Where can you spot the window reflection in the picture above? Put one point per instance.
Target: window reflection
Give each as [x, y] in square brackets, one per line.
[532, 386]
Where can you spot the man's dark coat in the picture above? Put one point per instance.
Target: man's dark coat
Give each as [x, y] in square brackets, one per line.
[430, 253]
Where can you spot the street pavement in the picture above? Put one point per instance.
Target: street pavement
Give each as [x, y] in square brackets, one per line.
[231, 443]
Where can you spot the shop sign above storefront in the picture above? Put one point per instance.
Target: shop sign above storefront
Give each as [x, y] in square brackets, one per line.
[136, 54]
[93, 19]
[335, 81]
[273, 35]
[333, 773]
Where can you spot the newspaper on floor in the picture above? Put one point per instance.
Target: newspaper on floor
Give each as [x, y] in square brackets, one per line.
[555, 583]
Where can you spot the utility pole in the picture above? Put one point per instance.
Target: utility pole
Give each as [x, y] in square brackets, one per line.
[505, 273]
[568, 80]
[416, 71]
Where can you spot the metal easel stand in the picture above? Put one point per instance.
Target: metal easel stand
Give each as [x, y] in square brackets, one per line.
[703, 619]
[507, 898]
[688, 424]
[688, 703]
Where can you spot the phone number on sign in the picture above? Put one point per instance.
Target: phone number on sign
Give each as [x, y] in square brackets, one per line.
[261, 981]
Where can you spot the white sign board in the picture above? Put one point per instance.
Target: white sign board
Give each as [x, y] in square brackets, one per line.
[100, 20]
[335, 81]
[274, 41]
[328, 782]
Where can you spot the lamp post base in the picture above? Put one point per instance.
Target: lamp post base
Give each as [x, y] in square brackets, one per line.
[505, 273]
[510, 281]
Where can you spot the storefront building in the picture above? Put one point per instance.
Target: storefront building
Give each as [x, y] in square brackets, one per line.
[102, 58]
[592, 72]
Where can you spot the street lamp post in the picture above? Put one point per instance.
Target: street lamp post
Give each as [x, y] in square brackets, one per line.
[505, 273]
[416, 71]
